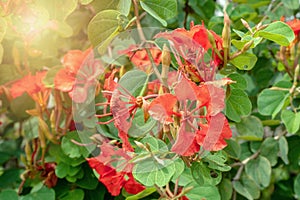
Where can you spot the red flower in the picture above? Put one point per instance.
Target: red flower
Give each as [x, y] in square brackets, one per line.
[192, 45]
[33, 86]
[115, 170]
[295, 26]
[139, 56]
[79, 73]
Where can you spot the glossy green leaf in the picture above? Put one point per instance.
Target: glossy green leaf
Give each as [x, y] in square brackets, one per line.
[142, 194]
[205, 176]
[179, 168]
[103, 28]
[291, 4]
[225, 189]
[250, 128]
[247, 188]
[283, 149]
[259, 170]
[89, 181]
[77, 194]
[297, 186]
[269, 149]
[9, 195]
[133, 81]
[233, 149]
[245, 61]
[62, 170]
[161, 10]
[241, 82]
[237, 105]
[291, 120]
[270, 102]
[40, 192]
[203, 192]
[70, 148]
[152, 172]
[139, 127]
[278, 32]
[122, 6]
[152, 168]
[217, 161]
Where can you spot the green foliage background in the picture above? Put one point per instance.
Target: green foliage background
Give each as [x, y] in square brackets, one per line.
[261, 161]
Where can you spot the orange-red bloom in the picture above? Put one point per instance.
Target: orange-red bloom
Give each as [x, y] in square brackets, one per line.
[79, 73]
[192, 45]
[33, 86]
[139, 56]
[115, 170]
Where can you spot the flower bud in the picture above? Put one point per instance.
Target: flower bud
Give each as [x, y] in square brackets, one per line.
[226, 31]
[166, 61]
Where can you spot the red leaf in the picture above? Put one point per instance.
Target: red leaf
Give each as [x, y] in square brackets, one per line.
[161, 108]
[186, 144]
[212, 135]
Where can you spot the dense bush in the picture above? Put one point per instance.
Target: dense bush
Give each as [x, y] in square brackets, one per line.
[149, 99]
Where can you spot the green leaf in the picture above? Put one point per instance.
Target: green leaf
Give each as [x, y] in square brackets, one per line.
[150, 172]
[89, 181]
[38, 193]
[237, 105]
[291, 120]
[225, 189]
[245, 61]
[269, 149]
[291, 4]
[58, 9]
[278, 32]
[283, 149]
[9, 195]
[217, 161]
[241, 82]
[139, 127]
[233, 148]
[71, 149]
[103, 28]
[247, 188]
[250, 128]
[259, 170]
[204, 175]
[62, 170]
[270, 102]
[7, 73]
[85, 2]
[120, 5]
[133, 81]
[49, 79]
[152, 168]
[77, 194]
[297, 186]
[203, 192]
[179, 168]
[161, 10]
[142, 194]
